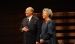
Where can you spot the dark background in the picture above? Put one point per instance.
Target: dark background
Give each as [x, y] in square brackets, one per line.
[13, 11]
[38, 5]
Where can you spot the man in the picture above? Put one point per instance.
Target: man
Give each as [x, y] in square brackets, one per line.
[31, 28]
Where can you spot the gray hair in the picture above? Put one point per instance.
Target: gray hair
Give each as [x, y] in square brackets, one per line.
[31, 9]
[48, 11]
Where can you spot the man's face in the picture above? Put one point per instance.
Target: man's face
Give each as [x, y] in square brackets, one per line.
[28, 12]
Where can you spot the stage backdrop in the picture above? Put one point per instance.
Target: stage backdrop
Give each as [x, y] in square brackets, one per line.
[10, 23]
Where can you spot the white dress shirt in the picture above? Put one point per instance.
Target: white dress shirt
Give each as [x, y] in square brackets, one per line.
[29, 18]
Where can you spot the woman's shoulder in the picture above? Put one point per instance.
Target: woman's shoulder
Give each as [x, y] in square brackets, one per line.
[51, 22]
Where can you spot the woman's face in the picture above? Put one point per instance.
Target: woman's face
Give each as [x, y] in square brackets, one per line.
[44, 14]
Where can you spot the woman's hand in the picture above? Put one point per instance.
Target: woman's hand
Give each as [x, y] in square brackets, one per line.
[37, 43]
[42, 41]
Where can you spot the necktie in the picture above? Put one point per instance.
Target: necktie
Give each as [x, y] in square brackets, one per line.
[28, 21]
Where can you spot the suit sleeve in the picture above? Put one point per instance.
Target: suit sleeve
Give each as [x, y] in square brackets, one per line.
[50, 28]
[21, 27]
[39, 30]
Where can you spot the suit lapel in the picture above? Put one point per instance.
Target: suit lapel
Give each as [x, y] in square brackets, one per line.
[26, 22]
[31, 21]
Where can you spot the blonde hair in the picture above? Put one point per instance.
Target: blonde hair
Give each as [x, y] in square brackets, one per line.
[48, 11]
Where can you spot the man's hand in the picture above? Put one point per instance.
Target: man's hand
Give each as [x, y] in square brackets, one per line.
[37, 43]
[42, 41]
[25, 29]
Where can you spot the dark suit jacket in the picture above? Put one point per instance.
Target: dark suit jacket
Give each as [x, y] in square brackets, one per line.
[49, 33]
[33, 34]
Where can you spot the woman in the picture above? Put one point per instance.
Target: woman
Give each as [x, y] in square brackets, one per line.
[48, 33]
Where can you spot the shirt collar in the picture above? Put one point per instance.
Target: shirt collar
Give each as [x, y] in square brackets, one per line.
[30, 17]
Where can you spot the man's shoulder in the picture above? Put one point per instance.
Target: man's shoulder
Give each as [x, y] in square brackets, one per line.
[35, 17]
[24, 18]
